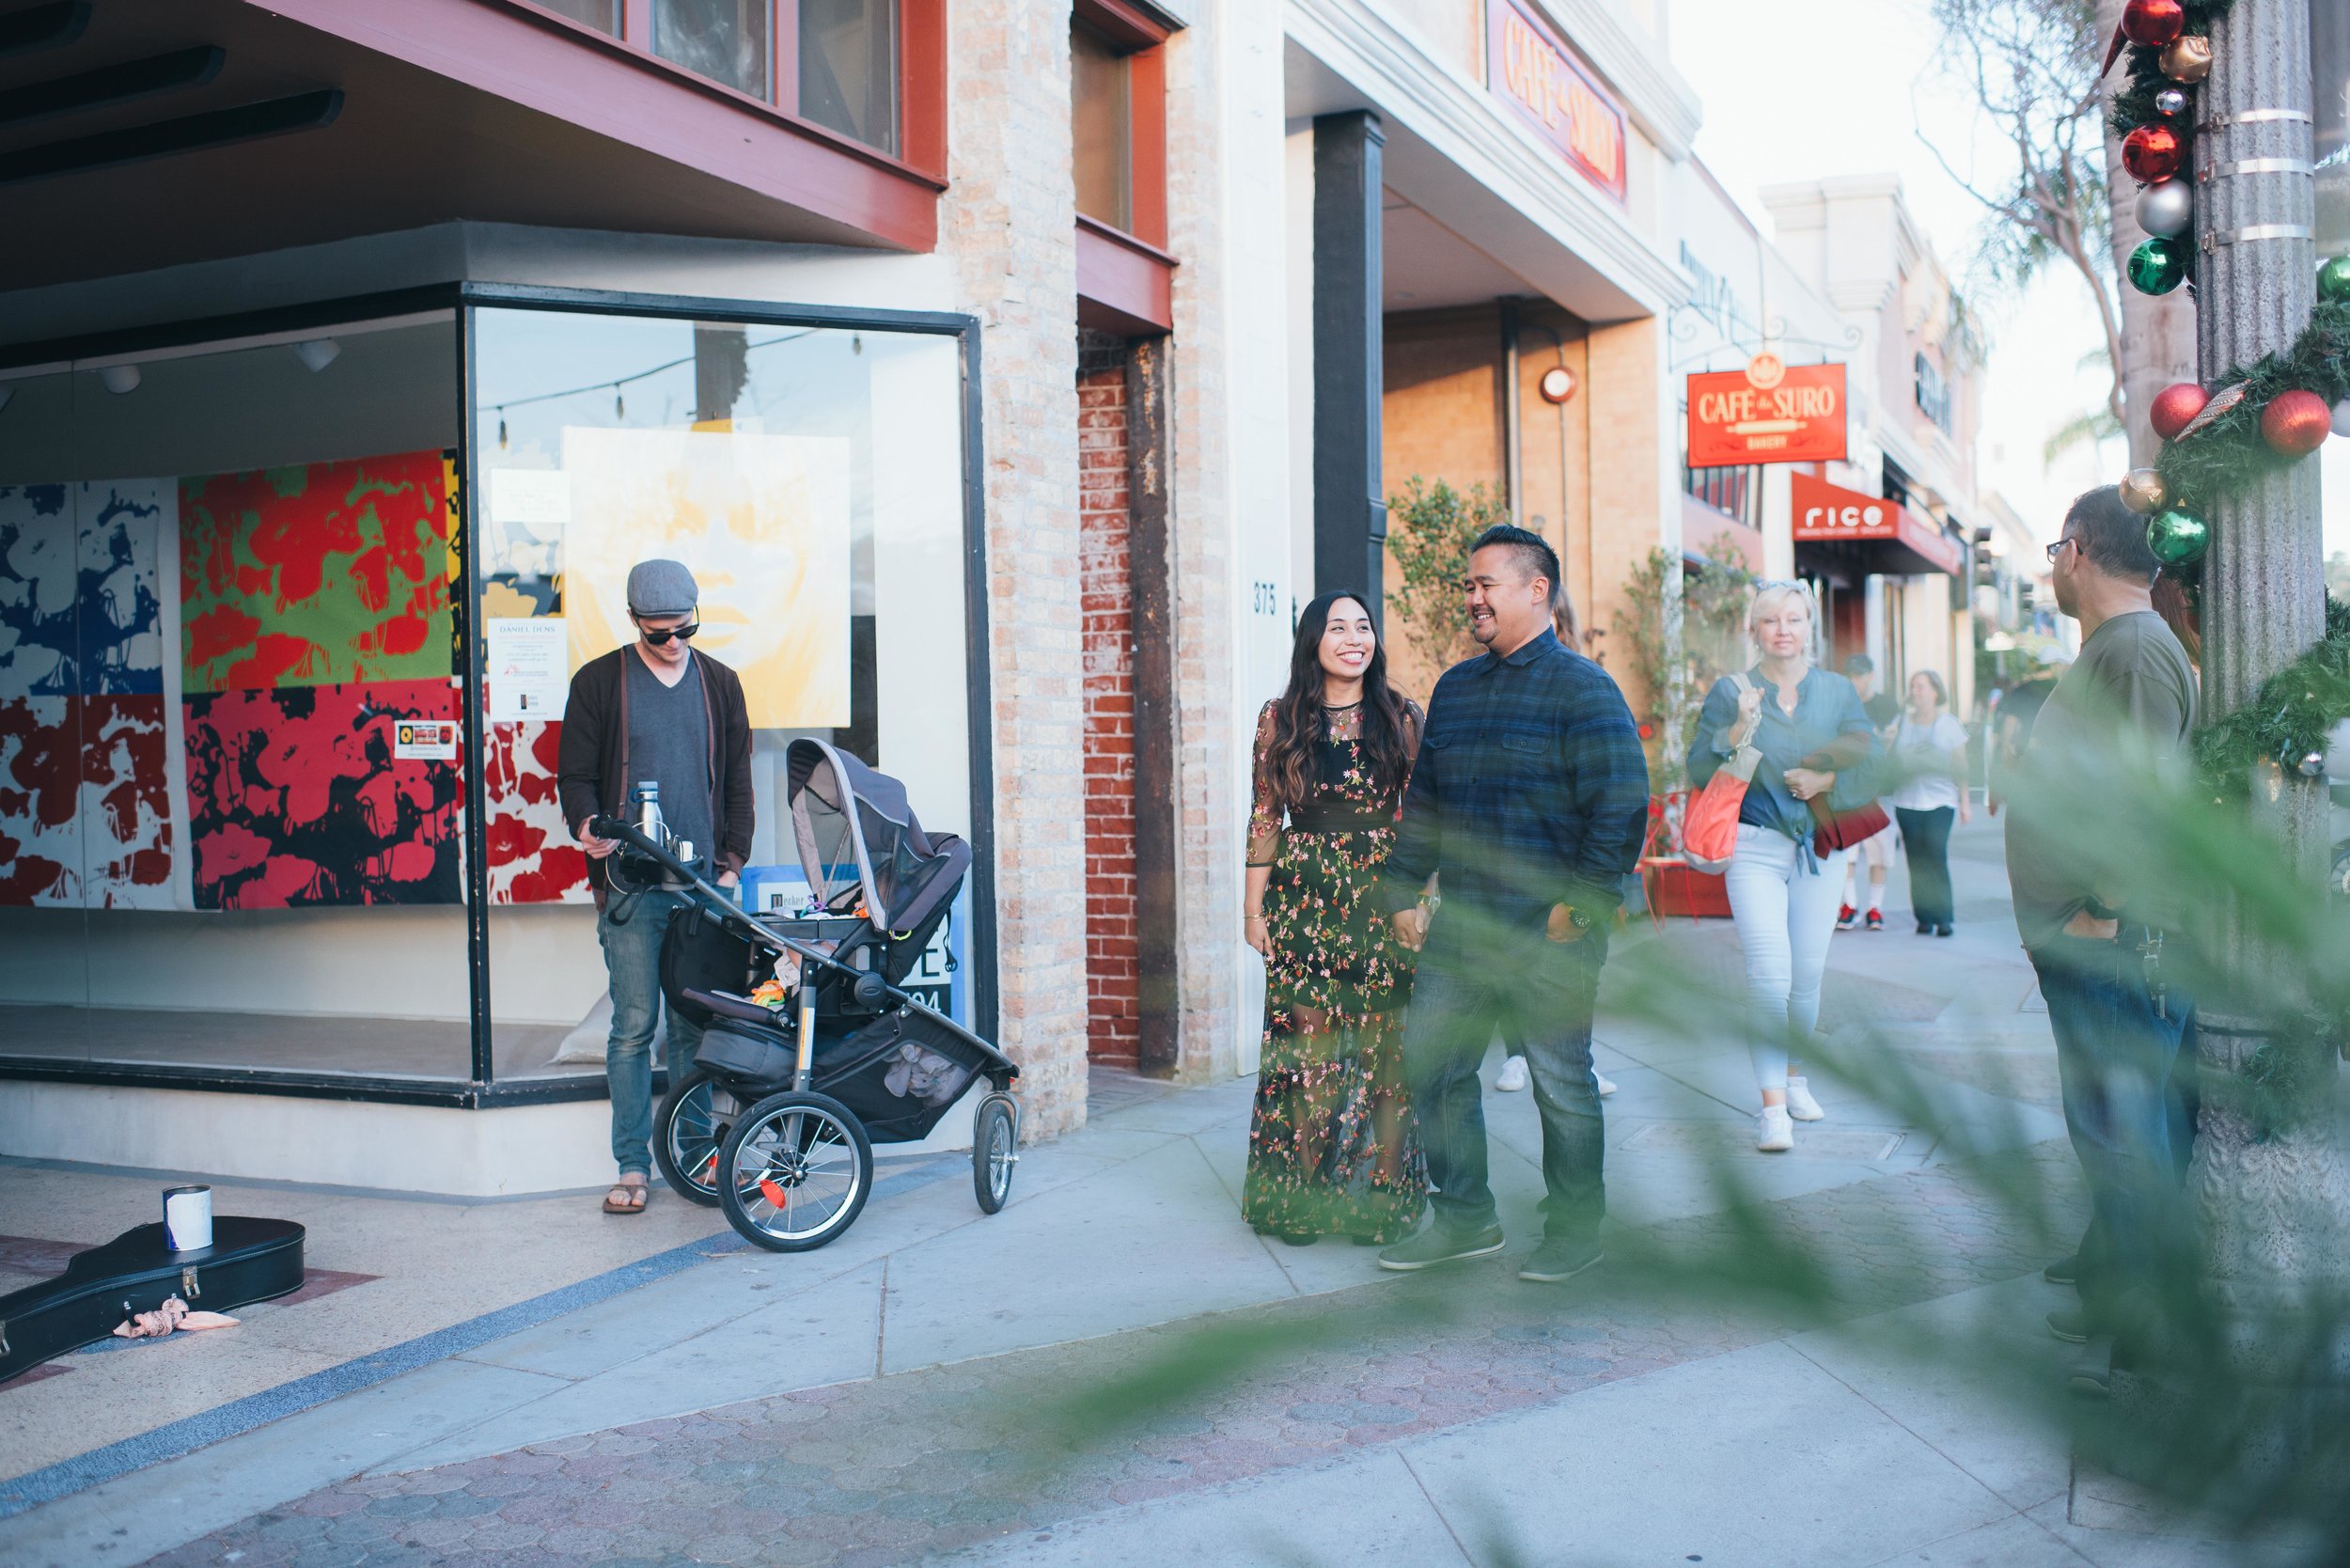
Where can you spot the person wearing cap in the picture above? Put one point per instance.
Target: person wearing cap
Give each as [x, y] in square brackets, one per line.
[654, 710]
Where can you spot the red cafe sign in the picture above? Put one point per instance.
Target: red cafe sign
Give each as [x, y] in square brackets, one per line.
[1770, 412]
[1530, 68]
[1828, 513]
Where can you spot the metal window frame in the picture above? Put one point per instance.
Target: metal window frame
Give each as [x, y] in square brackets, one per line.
[483, 1091]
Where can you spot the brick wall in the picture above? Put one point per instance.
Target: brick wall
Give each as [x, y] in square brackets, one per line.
[1007, 225]
[1113, 968]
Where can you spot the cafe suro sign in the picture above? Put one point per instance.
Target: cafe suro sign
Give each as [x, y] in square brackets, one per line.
[1530, 68]
[1770, 412]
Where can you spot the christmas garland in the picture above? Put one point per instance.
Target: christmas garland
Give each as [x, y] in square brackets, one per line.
[2254, 422]
[2288, 722]
[2222, 447]
[2133, 103]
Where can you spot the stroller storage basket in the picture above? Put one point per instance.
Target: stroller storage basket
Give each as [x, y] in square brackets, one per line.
[899, 1074]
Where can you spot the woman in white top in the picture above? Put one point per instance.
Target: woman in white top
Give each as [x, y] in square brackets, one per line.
[1930, 759]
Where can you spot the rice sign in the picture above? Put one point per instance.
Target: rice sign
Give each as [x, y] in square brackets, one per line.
[1770, 412]
[1530, 68]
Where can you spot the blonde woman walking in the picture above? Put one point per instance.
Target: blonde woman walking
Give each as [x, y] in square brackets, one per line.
[1809, 725]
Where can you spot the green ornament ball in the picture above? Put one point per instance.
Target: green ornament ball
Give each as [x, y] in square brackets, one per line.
[2334, 279]
[2157, 266]
[2178, 538]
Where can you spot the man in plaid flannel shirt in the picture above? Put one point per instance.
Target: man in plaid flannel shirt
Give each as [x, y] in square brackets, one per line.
[1529, 801]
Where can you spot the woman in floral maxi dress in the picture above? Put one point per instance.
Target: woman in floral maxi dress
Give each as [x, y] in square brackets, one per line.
[1332, 1149]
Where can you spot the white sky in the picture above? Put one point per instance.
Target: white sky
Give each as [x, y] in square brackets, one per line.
[1843, 93]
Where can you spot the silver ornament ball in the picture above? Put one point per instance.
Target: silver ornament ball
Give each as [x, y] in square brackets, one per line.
[2314, 765]
[2171, 103]
[2342, 417]
[2166, 209]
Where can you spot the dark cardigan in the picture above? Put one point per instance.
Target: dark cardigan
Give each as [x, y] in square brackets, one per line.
[592, 771]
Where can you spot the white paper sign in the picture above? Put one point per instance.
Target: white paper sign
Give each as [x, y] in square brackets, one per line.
[539, 499]
[424, 740]
[529, 667]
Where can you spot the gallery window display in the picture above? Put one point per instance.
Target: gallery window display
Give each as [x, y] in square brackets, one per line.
[811, 480]
[247, 587]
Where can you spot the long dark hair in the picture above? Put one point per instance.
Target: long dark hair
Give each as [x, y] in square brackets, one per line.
[1300, 721]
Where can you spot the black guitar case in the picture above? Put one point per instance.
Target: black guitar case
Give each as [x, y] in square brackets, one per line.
[250, 1259]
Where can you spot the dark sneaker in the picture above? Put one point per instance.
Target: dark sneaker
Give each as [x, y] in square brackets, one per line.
[1876, 920]
[2065, 1270]
[1943, 930]
[1435, 1245]
[1553, 1262]
[2071, 1324]
[1845, 916]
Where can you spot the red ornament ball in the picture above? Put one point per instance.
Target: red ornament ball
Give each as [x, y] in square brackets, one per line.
[2173, 407]
[2151, 23]
[2297, 423]
[2153, 153]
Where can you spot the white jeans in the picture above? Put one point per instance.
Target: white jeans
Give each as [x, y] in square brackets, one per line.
[1785, 913]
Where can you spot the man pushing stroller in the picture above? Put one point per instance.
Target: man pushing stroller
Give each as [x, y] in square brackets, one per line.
[654, 710]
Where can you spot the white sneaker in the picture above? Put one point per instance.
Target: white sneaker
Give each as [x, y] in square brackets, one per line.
[1779, 1132]
[1800, 1104]
[1512, 1075]
[1606, 1084]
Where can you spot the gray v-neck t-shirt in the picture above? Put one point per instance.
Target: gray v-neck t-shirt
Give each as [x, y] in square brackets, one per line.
[669, 740]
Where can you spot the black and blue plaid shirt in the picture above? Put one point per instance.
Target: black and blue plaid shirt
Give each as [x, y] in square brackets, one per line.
[1531, 789]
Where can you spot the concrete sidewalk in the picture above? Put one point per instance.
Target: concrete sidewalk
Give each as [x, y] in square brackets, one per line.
[906, 1391]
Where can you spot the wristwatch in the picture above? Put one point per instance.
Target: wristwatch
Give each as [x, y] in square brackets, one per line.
[2100, 910]
[1576, 918]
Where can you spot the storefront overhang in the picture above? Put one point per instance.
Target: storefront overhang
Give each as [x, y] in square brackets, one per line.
[1868, 535]
[171, 131]
[1458, 154]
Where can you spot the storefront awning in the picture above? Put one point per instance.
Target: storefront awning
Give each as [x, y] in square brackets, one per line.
[1879, 536]
[165, 132]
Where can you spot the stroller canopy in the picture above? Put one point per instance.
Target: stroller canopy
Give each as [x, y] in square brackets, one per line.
[856, 832]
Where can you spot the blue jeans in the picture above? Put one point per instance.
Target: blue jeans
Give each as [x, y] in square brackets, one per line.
[2127, 1104]
[632, 959]
[1542, 995]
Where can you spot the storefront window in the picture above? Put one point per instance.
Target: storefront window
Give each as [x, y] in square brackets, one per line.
[236, 635]
[602, 15]
[231, 788]
[726, 40]
[849, 68]
[812, 480]
[1102, 121]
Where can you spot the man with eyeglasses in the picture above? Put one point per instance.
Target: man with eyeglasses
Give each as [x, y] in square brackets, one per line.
[654, 710]
[2093, 903]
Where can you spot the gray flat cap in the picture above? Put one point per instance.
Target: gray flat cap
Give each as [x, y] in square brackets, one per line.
[662, 587]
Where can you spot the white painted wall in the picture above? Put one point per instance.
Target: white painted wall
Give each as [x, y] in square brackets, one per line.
[1260, 340]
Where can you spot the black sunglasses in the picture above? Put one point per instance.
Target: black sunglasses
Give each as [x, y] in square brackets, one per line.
[2059, 545]
[657, 638]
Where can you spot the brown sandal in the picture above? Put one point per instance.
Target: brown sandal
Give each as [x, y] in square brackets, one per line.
[626, 1198]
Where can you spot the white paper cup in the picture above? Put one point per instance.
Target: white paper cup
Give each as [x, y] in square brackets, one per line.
[187, 1218]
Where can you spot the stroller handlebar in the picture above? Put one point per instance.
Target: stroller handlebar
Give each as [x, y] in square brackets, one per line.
[730, 913]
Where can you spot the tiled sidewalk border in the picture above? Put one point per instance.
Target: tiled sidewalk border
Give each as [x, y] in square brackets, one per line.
[238, 1416]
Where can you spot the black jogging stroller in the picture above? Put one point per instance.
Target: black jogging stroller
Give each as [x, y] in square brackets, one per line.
[776, 1120]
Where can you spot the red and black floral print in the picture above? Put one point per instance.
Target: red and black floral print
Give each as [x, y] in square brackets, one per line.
[1332, 1149]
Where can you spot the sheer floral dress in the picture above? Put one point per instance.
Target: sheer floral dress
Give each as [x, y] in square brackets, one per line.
[1332, 1149]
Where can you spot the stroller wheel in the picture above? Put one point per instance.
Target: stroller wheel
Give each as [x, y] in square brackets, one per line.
[994, 1150]
[795, 1171]
[687, 1134]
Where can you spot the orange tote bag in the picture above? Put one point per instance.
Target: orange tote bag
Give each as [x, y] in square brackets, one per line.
[1709, 827]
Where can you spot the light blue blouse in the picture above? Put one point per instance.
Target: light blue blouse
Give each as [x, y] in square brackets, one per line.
[1827, 707]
